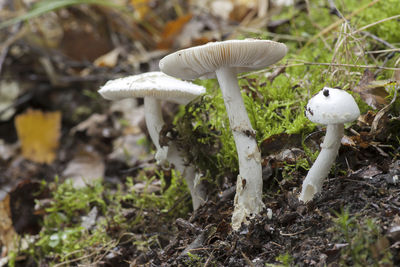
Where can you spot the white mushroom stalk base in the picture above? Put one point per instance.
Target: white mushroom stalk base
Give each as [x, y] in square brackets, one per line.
[154, 123]
[248, 198]
[312, 184]
[197, 189]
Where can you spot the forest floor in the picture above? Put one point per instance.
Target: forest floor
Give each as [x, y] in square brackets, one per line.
[58, 137]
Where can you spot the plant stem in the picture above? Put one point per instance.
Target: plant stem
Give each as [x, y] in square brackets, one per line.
[154, 123]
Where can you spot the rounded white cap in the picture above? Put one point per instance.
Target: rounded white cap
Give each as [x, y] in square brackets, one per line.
[241, 55]
[151, 84]
[332, 106]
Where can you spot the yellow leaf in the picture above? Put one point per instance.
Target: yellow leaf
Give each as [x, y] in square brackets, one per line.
[141, 8]
[39, 134]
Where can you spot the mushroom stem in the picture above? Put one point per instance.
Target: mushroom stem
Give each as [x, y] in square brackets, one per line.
[312, 184]
[248, 198]
[197, 191]
[154, 123]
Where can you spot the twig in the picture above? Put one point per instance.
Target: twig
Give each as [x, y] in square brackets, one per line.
[376, 23]
[321, 64]
[346, 65]
[383, 51]
[338, 22]
[360, 182]
[209, 259]
[293, 234]
[334, 10]
[376, 38]
[248, 261]
[272, 34]
[276, 244]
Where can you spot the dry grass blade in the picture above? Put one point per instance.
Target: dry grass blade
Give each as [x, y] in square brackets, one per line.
[338, 22]
[383, 51]
[375, 23]
[304, 63]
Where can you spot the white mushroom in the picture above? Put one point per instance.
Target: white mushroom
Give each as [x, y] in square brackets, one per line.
[154, 87]
[332, 107]
[224, 60]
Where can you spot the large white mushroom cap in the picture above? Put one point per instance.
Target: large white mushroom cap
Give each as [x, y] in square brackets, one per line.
[151, 84]
[332, 106]
[240, 55]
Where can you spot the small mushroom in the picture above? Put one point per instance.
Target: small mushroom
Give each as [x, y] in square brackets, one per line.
[224, 60]
[154, 87]
[332, 107]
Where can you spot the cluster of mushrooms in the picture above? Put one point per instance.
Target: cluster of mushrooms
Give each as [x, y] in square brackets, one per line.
[224, 60]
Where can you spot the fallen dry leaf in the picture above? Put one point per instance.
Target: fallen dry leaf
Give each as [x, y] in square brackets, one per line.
[172, 30]
[368, 172]
[7, 232]
[141, 8]
[373, 92]
[39, 134]
[9, 91]
[85, 167]
[7, 151]
[279, 142]
[366, 119]
[394, 230]
[128, 149]
[22, 204]
[192, 34]
[148, 188]
[221, 8]
[131, 112]
[108, 60]
[96, 126]
[396, 76]
[379, 124]
[85, 34]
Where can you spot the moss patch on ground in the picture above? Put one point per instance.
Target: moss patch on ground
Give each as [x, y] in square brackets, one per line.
[275, 106]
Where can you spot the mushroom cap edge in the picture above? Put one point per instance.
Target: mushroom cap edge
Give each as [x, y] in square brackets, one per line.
[151, 84]
[241, 55]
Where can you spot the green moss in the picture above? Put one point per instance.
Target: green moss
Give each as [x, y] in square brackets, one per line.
[63, 236]
[365, 244]
[387, 30]
[277, 107]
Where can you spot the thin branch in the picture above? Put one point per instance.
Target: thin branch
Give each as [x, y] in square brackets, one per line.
[375, 23]
[376, 38]
[338, 22]
[319, 64]
[383, 51]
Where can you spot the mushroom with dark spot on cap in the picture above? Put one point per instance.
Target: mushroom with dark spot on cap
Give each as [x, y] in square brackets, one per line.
[332, 107]
[224, 60]
[154, 87]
